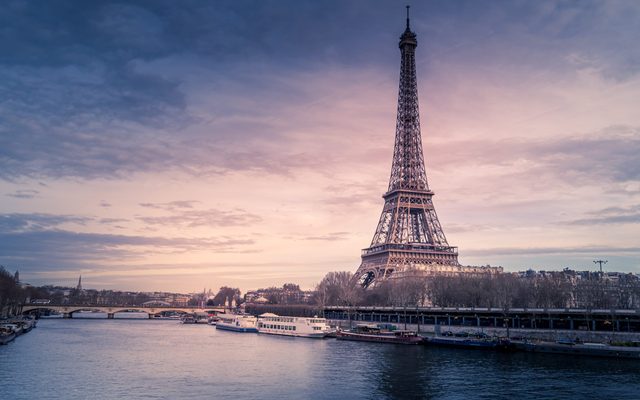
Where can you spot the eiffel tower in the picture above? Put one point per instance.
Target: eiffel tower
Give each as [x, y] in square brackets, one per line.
[409, 238]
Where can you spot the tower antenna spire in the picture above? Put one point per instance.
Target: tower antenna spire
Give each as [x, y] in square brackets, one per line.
[408, 17]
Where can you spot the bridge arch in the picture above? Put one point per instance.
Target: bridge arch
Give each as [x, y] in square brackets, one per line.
[69, 310]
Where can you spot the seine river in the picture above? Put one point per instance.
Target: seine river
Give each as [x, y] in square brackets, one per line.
[147, 359]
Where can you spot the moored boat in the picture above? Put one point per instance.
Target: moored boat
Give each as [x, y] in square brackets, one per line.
[579, 349]
[273, 324]
[202, 319]
[237, 323]
[493, 343]
[371, 333]
[188, 319]
[6, 334]
[17, 328]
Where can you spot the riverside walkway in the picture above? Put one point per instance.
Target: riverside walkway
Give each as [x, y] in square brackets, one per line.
[570, 319]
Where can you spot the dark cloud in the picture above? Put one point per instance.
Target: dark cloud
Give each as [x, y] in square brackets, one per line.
[462, 228]
[172, 205]
[24, 194]
[609, 216]
[329, 237]
[607, 155]
[37, 242]
[352, 194]
[101, 89]
[60, 249]
[196, 218]
[34, 222]
[111, 221]
[541, 251]
[82, 106]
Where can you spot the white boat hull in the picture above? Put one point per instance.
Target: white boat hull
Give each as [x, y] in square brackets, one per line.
[319, 335]
[272, 324]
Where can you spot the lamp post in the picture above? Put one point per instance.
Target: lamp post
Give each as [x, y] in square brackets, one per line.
[600, 262]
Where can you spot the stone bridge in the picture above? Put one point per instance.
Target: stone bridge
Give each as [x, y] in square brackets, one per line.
[67, 310]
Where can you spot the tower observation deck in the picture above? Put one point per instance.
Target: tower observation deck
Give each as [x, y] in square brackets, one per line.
[409, 239]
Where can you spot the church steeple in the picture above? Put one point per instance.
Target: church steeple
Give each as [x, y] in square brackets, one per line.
[79, 287]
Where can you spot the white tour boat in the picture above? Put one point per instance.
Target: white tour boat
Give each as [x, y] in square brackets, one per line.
[293, 326]
[237, 323]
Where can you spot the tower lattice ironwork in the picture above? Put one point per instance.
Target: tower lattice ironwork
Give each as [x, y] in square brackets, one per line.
[409, 236]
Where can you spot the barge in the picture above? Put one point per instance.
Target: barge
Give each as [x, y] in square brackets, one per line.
[579, 349]
[369, 333]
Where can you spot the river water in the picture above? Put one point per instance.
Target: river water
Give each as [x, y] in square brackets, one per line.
[150, 359]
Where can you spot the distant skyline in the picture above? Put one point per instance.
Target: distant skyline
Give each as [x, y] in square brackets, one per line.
[159, 145]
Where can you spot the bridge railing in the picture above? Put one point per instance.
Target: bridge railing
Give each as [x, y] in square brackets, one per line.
[141, 306]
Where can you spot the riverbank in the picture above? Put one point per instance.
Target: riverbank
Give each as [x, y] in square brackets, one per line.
[531, 334]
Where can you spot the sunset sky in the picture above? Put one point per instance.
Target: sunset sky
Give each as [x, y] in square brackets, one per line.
[177, 145]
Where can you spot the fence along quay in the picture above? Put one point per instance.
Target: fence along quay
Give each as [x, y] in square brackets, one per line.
[578, 320]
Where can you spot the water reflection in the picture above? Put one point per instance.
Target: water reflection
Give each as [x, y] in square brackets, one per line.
[404, 371]
[80, 358]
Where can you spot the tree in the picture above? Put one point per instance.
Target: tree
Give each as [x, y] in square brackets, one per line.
[225, 295]
[377, 295]
[336, 289]
[409, 291]
[11, 294]
[290, 287]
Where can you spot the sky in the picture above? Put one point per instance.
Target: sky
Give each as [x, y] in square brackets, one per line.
[163, 145]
